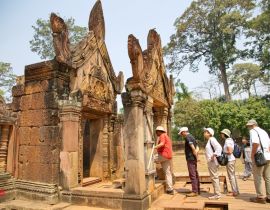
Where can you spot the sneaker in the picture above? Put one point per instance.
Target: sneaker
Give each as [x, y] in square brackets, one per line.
[192, 194]
[244, 178]
[214, 197]
[258, 200]
[267, 200]
[170, 192]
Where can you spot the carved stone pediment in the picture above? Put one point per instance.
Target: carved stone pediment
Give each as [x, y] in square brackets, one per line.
[91, 70]
[148, 69]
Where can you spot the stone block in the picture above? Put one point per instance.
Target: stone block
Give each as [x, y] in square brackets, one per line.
[38, 154]
[49, 135]
[38, 86]
[16, 104]
[41, 100]
[17, 90]
[69, 169]
[38, 118]
[39, 172]
[39, 136]
[24, 135]
[130, 204]
[70, 136]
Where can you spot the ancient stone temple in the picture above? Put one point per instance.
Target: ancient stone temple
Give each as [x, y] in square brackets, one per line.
[147, 104]
[61, 137]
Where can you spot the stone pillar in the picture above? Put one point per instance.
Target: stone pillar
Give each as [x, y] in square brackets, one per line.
[4, 148]
[149, 141]
[70, 115]
[134, 103]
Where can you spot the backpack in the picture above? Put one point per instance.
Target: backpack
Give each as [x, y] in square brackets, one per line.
[236, 150]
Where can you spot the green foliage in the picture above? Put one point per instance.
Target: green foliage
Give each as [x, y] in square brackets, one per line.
[7, 79]
[42, 42]
[182, 91]
[208, 31]
[219, 115]
[243, 76]
[258, 36]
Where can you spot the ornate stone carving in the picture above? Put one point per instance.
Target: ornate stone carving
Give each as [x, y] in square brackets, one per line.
[91, 71]
[96, 21]
[60, 39]
[148, 69]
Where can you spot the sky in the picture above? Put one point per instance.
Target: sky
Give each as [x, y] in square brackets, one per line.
[122, 17]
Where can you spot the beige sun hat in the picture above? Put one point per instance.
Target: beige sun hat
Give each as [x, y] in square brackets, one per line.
[252, 122]
[227, 132]
[182, 130]
[160, 128]
[209, 130]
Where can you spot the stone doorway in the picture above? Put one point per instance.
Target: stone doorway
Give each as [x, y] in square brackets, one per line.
[92, 151]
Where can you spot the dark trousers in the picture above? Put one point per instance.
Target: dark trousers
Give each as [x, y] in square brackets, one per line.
[193, 175]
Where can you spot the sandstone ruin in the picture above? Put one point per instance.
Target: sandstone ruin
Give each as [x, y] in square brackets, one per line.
[61, 137]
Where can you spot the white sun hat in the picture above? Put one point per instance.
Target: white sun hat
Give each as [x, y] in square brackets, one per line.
[182, 130]
[210, 130]
[160, 128]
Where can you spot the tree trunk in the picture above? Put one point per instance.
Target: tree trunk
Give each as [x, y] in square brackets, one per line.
[224, 79]
[255, 88]
[249, 93]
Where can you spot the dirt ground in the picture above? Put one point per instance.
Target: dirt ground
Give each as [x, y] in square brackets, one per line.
[180, 165]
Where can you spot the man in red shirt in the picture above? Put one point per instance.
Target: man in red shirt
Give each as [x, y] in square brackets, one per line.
[164, 149]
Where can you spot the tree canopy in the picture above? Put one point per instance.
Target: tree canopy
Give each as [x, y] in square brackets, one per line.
[219, 115]
[42, 42]
[244, 76]
[208, 31]
[7, 79]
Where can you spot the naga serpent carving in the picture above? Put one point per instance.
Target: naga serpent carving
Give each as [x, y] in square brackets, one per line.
[60, 39]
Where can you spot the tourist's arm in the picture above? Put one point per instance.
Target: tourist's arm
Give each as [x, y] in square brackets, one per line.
[161, 144]
[229, 149]
[194, 152]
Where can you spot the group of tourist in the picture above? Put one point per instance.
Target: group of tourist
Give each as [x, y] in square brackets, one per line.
[255, 154]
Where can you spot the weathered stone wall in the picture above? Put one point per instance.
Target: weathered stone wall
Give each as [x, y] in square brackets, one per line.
[35, 101]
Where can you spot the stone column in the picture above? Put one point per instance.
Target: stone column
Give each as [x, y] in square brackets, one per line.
[133, 134]
[149, 141]
[70, 116]
[4, 148]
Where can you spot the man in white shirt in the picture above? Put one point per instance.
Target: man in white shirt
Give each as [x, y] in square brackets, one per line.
[212, 150]
[258, 135]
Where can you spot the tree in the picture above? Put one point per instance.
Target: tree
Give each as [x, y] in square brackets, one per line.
[219, 115]
[258, 34]
[182, 91]
[42, 42]
[243, 77]
[187, 112]
[208, 30]
[7, 79]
